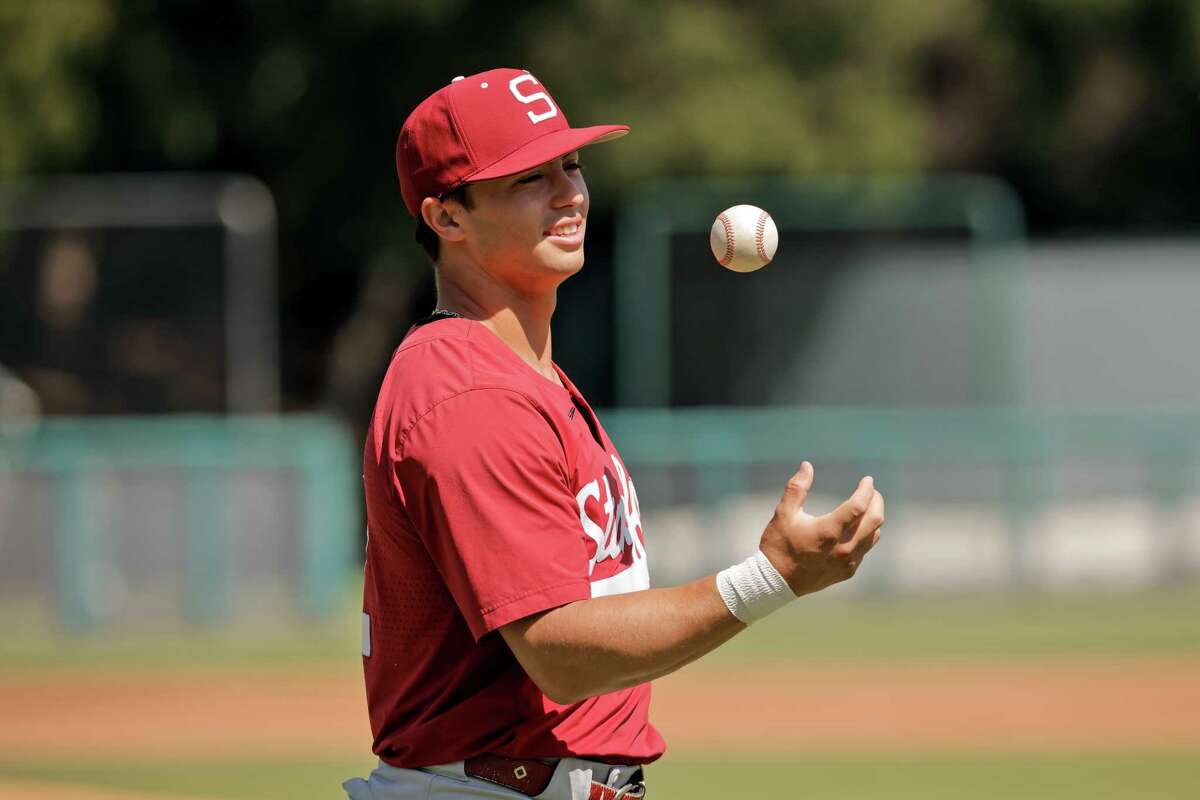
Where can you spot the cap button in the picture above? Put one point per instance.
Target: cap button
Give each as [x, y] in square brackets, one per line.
[459, 78]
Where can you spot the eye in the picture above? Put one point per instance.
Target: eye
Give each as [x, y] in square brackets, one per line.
[573, 166]
[536, 176]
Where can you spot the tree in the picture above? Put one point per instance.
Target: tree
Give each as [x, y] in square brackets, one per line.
[48, 110]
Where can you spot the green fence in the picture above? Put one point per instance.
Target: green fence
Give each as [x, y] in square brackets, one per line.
[207, 452]
[987, 210]
[1022, 445]
[721, 446]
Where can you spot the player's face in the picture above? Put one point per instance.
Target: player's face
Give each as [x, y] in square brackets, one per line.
[527, 230]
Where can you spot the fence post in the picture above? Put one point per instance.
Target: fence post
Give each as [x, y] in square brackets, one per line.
[1170, 478]
[207, 554]
[78, 537]
[326, 538]
[881, 573]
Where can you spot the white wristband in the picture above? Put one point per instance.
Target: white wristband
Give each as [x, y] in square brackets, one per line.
[753, 589]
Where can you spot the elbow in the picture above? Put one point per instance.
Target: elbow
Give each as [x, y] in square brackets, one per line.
[566, 670]
[562, 688]
[567, 682]
[564, 697]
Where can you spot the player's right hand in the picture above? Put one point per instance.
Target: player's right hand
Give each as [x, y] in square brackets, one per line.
[812, 553]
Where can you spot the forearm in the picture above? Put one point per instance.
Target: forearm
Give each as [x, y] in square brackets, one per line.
[609, 643]
[601, 645]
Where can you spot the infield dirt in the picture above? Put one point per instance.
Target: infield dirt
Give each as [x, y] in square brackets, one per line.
[1073, 705]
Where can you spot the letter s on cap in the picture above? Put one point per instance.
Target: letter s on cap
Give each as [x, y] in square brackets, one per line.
[552, 110]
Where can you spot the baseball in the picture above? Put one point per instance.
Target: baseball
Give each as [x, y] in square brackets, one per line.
[743, 238]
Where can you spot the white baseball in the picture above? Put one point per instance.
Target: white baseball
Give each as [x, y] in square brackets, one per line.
[743, 238]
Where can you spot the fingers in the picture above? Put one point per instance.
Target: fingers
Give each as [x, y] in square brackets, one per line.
[796, 491]
[855, 505]
[854, 561]
[865, 530]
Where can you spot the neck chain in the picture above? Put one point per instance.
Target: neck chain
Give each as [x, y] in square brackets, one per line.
[436, 314]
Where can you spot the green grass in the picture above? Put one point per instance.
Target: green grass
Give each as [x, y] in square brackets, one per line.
[1163, 623]
[976, 778]
[265, 780]
[1068, 777]
[1005, 626]
[32, 644]
[324, 647]
[1002, 626]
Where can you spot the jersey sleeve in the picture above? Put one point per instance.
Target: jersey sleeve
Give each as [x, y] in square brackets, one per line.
[483, 479]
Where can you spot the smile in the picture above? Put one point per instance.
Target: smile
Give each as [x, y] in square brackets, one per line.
[567, 227]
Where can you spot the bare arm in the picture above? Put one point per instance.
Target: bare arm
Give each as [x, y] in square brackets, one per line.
[608, 643]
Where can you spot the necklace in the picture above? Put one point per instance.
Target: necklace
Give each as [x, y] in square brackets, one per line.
[436, 314]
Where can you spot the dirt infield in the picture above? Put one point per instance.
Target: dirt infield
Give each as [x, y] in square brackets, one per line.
[1011, 707]
[762, 711]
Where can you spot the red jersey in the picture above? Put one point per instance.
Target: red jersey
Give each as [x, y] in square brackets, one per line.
[492, 494]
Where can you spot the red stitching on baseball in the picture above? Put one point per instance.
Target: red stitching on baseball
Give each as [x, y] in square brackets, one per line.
[758, 236]
[728, 239]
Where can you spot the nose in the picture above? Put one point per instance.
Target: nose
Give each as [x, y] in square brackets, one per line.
[569, 190]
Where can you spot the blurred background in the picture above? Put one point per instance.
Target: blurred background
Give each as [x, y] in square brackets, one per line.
[986, 295]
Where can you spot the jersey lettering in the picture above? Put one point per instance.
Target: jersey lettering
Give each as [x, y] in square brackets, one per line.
[622, 519]
[594, 531]
[632, 516]
[552, 110]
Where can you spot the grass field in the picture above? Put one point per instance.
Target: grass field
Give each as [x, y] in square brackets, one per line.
[883, 628]
[1146, 776]
[877, 632]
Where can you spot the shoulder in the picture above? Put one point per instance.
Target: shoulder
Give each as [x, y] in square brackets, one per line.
[446, 373]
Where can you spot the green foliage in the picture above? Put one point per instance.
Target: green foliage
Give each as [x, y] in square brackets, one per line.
[718, 88]
[1089, 108]
[710, 87]
[48, 111]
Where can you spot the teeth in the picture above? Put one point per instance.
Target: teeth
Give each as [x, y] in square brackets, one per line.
[566, 230]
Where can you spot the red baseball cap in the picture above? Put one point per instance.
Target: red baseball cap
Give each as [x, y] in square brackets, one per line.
[484, 126]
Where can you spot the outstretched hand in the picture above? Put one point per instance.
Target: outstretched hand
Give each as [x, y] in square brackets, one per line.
[812, 553]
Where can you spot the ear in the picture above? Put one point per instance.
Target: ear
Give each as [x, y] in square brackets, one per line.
[443, 218]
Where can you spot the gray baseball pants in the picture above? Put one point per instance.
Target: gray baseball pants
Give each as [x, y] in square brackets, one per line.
[572, 780]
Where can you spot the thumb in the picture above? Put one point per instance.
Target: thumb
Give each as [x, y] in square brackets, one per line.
[796, 491]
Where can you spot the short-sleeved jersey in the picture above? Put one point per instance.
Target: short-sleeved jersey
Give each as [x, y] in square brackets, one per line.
[492, 493]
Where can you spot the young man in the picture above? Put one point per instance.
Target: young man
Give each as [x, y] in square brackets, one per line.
[509, 631]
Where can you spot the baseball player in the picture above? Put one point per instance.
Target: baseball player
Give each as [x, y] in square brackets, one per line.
[509, 631]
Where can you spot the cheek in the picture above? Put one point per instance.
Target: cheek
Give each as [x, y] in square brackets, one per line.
[511, 233]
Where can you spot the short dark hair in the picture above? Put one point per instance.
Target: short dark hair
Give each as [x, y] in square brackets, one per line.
[426, 236]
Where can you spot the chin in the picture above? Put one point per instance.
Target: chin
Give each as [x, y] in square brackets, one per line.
[575, 261]
[564, 264]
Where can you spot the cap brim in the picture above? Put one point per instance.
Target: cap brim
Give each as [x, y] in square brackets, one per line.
[550, 146]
